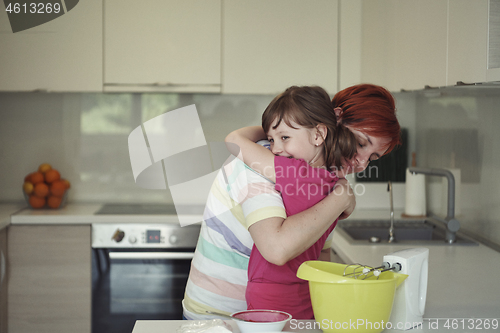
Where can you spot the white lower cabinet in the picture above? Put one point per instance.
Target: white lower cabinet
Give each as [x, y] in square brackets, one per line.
[49, 287]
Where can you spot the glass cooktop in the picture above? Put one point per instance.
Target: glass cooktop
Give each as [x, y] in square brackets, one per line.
[147, 209]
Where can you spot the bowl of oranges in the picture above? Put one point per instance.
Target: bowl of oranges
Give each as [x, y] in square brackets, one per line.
[45, 188]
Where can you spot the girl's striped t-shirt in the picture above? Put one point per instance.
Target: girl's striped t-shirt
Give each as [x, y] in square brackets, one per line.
[238, 198]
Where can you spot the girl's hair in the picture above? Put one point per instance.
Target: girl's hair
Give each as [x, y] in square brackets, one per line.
[310, 106]
[370, 109]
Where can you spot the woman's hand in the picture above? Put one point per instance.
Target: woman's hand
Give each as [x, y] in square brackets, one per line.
[343, 188]
[241, 143]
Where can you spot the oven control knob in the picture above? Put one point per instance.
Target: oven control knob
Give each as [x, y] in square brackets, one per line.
[173, 239]
[132, 239]
[118, 235]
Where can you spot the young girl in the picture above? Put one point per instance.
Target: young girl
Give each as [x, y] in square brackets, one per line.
[307, 148]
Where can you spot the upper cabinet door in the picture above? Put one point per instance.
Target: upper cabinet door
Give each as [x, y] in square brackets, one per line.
[404, 43]
[162, 45]
[270, 45]
[64, 54]
[468, 41]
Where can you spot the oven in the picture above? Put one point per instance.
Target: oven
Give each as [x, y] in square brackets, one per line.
[139, 272]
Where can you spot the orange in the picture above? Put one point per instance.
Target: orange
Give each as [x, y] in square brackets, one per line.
[57, 188]
[66, 182]
[36, 202]
[36, 177]
[28, 177]
[44, 167]
[28, 188]
[52, 175]
[54, 202]
[41, 190]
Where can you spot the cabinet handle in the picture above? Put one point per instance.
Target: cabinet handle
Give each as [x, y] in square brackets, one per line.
[170, 84]
[153, 84]
[166, 84]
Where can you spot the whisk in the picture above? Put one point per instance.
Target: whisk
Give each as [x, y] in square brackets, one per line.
[363, 271]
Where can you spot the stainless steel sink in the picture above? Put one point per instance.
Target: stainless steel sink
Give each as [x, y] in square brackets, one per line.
[411, 232]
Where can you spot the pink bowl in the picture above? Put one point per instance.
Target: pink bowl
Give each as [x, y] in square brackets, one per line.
[261, 320]
[262, 316]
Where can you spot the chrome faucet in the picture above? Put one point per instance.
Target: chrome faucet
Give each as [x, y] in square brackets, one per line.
[452, 224]
[391, 239]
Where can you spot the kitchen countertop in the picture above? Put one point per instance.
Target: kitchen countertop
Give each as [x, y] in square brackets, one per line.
[6, 211]
[171, 326]
[309, 326]
[82, 213]
[463, 280]
[86, 214]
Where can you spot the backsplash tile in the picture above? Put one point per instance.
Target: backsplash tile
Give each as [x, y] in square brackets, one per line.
[459, 128]
[85, 137]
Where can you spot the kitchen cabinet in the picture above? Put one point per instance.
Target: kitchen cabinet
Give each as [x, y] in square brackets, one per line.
[64, 54]
[472, 57]
[412, 44]
[162, 45]
[349, 54]
[270, 45]
[49, 278]
[404, 43]
[3, 280]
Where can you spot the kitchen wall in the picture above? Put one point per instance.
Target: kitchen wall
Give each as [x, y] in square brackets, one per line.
[458, 128]
[85, 137]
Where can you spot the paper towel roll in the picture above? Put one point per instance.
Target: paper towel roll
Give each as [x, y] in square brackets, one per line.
[415, 194]
[444, 190]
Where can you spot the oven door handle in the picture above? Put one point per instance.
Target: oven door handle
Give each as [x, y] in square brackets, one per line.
[151, 255]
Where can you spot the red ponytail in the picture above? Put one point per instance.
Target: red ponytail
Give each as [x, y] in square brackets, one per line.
[370, 109]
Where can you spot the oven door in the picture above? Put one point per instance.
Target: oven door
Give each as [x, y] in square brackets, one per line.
[137, 284]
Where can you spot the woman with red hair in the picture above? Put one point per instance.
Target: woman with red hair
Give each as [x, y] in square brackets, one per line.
[369, 111]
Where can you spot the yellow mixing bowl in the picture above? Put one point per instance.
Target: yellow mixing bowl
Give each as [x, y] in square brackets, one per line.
[348, 304]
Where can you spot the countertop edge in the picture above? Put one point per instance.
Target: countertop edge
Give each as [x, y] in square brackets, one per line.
[82, 214]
